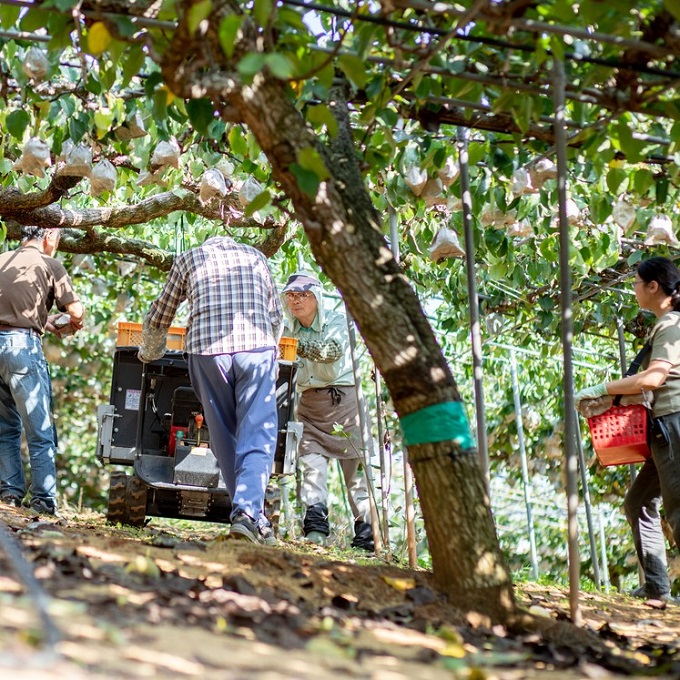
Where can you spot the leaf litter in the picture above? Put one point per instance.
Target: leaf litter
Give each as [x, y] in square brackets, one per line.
[171, 601]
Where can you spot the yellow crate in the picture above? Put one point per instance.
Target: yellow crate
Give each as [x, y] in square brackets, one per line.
[130, 335]
[288, 349]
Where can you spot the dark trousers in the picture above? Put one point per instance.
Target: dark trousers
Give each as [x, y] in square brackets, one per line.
[657, 482]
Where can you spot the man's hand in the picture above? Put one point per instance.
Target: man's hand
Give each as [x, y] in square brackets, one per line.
[60, 325]
[594, 392]
[302, 348]
[142, 357]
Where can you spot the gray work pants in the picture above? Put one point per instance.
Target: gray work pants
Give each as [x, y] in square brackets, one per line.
[314, 488]
[657, 482]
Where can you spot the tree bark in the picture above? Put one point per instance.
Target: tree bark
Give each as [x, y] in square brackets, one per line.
[345, 235]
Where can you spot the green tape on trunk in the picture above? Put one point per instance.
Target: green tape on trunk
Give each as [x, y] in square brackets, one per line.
[438, 423]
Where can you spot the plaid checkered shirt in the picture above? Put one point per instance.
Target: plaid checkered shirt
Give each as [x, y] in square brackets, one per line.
[233, 302]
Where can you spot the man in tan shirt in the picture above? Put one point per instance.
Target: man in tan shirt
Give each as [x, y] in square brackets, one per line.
[31, 282]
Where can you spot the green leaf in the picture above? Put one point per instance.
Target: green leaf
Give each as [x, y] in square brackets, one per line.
[9, 15]
[321, 115]
[661, 189]
[631, 147]
[354, 68]
[251, 64]
[522, 111]
[160, 104]
[132, 64]
[263, 11]
[237, 141]
[16, 122]
[126, 27]
[103, 121]
[549, 248]
[309, 159]
[292, 18]
[154, 78]
[197, 13]
[33, 20]
[279, 65]
[78, 126]
[364, 39]
[59, 26]
[673, 6]
[228, 31]
[65, 5]
[201, 114]
[260, 201]
[92, 83]
[307, 179]
[643, 181]
[557, 47]
[615, 177]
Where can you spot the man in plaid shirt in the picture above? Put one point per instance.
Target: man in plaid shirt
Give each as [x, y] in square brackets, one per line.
[235, 323]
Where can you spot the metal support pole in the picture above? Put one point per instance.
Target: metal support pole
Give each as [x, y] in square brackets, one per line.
[366, 441]
[588, 507]
[631, 468]
[408, 473]
[603, 549]
[381, 450]
[475, 334]
[559, 82]
[624, 367]
[525, 467]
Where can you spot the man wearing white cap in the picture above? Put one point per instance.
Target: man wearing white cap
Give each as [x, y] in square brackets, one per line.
[325, 380]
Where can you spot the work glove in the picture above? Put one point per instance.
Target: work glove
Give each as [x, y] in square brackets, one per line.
[594, 392]
[302, 348]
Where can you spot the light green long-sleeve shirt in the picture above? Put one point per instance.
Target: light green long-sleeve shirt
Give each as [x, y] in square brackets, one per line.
[329, 328]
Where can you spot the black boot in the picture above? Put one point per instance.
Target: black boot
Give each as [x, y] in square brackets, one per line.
[363, 536]
[316, 519]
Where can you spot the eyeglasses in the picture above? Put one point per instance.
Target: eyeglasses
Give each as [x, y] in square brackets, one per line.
[299, 296]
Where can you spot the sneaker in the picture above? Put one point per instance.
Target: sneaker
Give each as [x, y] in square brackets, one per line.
[40, 506]
[641, 593]
[243, 527]
[316, 537]
[11, 500]
[268, 535]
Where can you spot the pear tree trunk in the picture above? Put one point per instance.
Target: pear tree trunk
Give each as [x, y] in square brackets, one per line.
[346, 238]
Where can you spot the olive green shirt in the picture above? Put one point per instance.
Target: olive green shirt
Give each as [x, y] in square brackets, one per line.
[665, 339]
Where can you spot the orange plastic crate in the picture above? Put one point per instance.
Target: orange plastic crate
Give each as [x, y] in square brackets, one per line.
[288, 348]
[620, 435]
[130, 335]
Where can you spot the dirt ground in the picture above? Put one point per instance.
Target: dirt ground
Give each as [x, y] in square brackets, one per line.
[163, 602]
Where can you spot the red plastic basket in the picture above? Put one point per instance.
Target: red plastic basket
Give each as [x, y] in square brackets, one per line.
[620, 435]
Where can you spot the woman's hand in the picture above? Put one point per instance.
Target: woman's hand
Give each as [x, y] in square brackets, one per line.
[594, 392]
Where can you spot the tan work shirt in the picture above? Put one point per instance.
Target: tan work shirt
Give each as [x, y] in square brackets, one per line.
[30, 284]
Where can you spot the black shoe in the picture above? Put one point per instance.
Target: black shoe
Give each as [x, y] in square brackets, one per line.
[11, 500]
[316, 519]
[40, 506]
[244, 527]
[363, 536]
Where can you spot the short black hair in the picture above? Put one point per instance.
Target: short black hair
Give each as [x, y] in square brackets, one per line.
[30, 233]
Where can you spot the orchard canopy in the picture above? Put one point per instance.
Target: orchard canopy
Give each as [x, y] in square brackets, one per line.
[139, 128]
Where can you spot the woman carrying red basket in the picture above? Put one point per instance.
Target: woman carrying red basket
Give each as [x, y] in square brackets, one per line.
[657, 289]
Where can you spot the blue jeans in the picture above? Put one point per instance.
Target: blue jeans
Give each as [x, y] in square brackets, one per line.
[657, 482]
[238, 395]
[26, 398]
